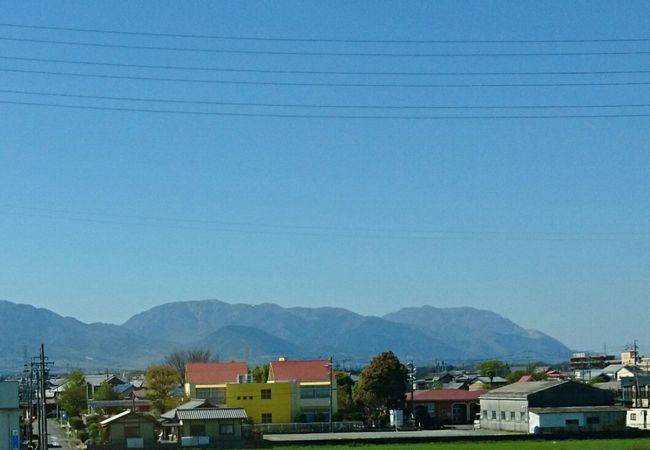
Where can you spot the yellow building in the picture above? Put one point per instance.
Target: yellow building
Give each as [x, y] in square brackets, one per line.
[316, 384]
[264, 402]
[296, 391]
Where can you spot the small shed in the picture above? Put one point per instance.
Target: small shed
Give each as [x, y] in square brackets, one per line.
[574, 419]
[638, 418]
[130, 430]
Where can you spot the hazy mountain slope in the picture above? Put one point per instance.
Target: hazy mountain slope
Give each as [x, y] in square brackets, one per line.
[191, 321]
[262, 332]
[69, 342]
[482, 334]
[248, 344]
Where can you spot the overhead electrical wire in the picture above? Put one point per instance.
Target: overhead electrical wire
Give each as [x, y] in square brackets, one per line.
[333, 40]
[329, 53]
[316, 84]
[325, 116]
[371, 232]
[323, 72]
[319, 105]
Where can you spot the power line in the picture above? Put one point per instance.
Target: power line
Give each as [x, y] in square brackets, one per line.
[333, 40]
[321, 53]
[315, 84]
[264, 228]
[317, 105]
[326, 116]
[323, 72]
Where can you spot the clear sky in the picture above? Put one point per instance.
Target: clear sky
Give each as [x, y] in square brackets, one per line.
[330, 153]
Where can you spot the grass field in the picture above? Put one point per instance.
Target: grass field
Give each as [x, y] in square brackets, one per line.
[587, 444]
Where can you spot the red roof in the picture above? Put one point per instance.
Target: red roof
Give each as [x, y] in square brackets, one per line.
[214, 373]
[301, 371]
[442, 395]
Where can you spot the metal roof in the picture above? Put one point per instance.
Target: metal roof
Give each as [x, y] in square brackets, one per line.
[211, 413]
[522, 390]
[441, 395]
[577, 409]
[192, 404]
[115, 417]
[126, 413]
[117, 403]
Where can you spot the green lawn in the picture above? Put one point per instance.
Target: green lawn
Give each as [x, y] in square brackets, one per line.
[588, 444]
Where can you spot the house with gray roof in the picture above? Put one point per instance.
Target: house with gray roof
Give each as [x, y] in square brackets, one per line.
[214, 427]
[170, 423]
[550, 407]
[129, 429]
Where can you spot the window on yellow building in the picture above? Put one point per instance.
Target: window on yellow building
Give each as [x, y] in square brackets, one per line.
[315, 392]
[266, 394]
[215, 395]
[267, 418]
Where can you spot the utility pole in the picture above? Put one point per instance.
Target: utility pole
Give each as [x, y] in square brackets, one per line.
[411, 378]
[331, 369]
[637, 396]
[39, 366]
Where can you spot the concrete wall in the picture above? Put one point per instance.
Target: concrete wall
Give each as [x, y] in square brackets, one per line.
[556, 422]
[504, 415]
[638, 418]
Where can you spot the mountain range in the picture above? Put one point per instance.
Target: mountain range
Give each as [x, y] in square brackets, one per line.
[260, 333]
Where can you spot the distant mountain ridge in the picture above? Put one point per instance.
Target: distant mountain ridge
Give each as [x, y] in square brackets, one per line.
[259, 333]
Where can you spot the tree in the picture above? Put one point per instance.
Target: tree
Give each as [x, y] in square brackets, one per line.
[178, 359]
[261, 373]
[74, 396]
[105, 392]
[493, 368]
[382, 385]
[159, 382]
[344, 400]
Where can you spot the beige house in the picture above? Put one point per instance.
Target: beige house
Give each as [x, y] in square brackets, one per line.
[130, 430]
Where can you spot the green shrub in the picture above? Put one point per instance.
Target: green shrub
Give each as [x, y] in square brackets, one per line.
[82, 435]
[76, 423]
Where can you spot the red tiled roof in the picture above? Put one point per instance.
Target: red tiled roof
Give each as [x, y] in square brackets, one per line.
[214, 373]
[301, 371]
[441, 395]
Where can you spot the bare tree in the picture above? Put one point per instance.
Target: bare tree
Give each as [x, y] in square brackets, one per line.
[179, 358]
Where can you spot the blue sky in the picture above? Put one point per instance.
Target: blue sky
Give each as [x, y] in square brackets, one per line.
[108, 209]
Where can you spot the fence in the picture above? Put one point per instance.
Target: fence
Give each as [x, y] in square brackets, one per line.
[311, 427]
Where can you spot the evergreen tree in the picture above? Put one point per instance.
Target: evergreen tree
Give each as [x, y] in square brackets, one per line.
[382, 385]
